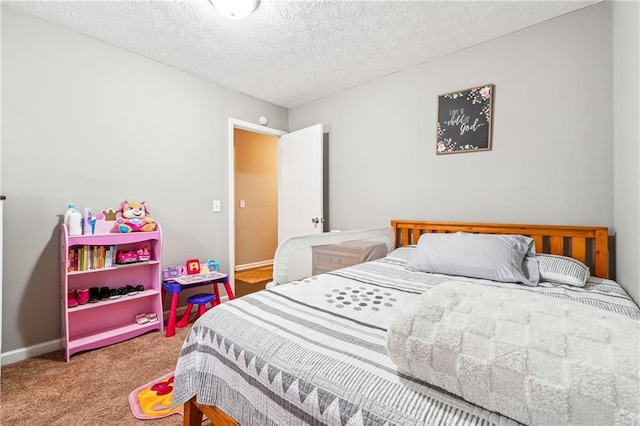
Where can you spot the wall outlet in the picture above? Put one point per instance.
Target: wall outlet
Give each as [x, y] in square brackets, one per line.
[216, 206]
[242, 204]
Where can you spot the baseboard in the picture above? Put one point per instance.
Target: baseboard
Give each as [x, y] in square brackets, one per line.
[254, 265]
[36, 350]
[30, 351]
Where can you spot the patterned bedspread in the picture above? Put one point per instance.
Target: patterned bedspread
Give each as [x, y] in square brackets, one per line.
[314, 351]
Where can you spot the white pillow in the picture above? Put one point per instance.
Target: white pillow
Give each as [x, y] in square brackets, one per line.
[504, 258]
[562, 270]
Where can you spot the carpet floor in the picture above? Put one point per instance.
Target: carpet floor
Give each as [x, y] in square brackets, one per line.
[92, 388]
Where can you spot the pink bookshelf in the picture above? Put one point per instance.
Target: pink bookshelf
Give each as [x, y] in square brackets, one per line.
[94, 325]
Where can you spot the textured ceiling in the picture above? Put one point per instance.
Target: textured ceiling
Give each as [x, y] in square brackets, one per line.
[292, 52]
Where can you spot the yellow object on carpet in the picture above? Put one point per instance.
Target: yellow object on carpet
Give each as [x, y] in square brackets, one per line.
[253, 276]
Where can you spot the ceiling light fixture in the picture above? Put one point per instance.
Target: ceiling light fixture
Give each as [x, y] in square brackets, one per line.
[235, 9]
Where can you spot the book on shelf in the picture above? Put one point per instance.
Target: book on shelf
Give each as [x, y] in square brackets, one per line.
[85, 258]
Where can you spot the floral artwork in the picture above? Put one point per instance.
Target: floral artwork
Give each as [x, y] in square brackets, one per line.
[465, 120]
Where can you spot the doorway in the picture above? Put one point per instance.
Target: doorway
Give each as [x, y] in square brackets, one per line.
[253, 204]
[256, 214]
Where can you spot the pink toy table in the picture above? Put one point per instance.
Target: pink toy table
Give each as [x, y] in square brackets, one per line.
[175, 285]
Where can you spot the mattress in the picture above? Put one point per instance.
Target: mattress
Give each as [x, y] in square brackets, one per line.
[313, 351]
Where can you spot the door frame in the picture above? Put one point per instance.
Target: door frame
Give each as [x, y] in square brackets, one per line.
[255, 128]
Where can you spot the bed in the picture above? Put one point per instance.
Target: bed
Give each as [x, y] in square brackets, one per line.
[314, 351]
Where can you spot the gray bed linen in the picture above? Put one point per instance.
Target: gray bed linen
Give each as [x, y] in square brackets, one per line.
[314, 351]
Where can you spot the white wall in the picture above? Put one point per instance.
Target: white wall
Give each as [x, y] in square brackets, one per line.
[551, 160]
[626, 178]
[93, 124]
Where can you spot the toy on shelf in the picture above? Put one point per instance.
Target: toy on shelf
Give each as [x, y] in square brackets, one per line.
[126, 256]
[141, 254]
[134, 216]
[193, 271]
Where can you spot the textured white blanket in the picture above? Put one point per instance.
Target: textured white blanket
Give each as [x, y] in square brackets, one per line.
[534, 358]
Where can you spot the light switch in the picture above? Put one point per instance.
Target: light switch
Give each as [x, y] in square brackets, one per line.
[242, 204]
[216, 206]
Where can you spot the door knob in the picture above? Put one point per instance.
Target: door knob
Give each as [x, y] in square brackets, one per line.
[315, 220]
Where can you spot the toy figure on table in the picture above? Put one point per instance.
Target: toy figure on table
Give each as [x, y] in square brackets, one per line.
[134, 216]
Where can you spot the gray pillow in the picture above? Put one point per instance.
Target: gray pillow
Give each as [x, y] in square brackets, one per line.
[504, 258]
[562, 270]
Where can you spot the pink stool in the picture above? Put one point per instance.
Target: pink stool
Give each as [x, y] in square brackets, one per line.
[201, 300]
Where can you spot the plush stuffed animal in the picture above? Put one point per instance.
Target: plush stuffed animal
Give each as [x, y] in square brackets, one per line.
[133, 216]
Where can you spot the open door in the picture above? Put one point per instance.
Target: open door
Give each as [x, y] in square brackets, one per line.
[300, 182]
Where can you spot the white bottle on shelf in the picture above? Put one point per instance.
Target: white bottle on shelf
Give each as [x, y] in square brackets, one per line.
[73, 220]
[67, 214]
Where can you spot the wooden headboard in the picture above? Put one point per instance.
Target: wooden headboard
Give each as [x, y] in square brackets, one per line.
[587, 244]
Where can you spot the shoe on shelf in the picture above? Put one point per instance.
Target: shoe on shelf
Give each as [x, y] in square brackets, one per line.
[83, 296]
[105, 293]
[122, 291]
[94, 295]
[142, 319]
[113, 294]
[131, 290]
[139, 288]
[152, 317]
[72, 301]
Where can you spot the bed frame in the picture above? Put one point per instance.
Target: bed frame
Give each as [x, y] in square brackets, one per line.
[587, 244]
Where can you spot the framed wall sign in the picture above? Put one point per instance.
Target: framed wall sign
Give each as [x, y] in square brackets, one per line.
[464, 120]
